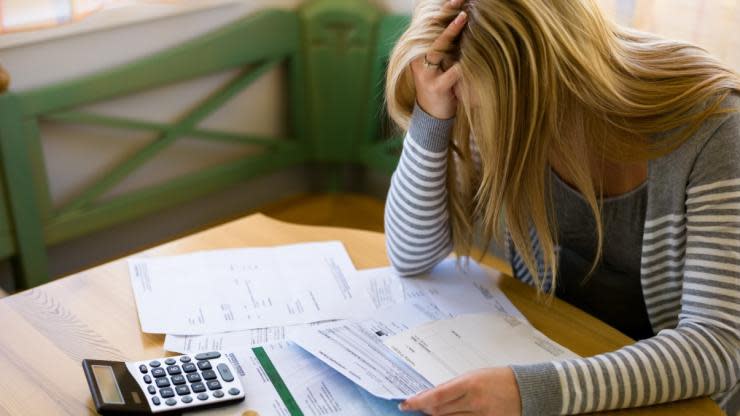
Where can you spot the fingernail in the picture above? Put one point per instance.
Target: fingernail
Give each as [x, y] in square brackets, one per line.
[402, 406]
[460, 18]
[455, 3]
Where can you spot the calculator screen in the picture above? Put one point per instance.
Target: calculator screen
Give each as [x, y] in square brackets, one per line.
[107, 384]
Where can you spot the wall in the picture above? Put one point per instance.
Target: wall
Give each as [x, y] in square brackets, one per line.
[77, 155]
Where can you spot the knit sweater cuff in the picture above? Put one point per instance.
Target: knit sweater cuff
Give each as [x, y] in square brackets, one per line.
[430, 133]
[539, 389]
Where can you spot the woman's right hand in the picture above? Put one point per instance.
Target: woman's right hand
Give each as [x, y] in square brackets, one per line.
[435, 85]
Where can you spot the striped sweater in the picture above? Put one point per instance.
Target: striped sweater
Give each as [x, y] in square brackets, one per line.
[690, 272]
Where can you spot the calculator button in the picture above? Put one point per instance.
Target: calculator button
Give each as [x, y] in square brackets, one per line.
[173, 369]
[207, 355]
[143, 369]
[198, 387]
[158, 372]
[154, 363]
[233, 391]
[178, 379]
[218, 394]
[202, 396]
[171, 402]
[204, 365]
[185, 359]
[209, 375]
[223, 369]
[147, 379]
[189, 367]
[182, 390]
[186, 399]
[151, 390]
[194, 378]
[156, 401]
[163, 382]
[166, 392]
[170, 361]
[213, 385]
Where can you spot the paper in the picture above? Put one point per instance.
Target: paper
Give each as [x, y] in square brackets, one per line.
[445, 349]
[384, 288]
[358, 353]
[229, 341]
[355, 348]
[315, 388]
[456, 291]
[238, 289]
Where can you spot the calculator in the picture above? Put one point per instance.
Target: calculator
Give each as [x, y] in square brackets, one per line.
[170, 384]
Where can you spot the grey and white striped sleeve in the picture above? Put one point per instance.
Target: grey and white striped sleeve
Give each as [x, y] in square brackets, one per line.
[417, 226]
[701, 354]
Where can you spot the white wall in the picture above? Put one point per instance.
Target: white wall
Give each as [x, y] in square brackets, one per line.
[76, 155]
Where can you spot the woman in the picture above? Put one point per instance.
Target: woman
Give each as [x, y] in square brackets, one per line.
[611, 157]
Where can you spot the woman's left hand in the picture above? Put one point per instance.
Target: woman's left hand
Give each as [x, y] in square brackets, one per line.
[488, 392]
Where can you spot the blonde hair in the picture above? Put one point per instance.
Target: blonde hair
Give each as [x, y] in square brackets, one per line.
[552, 80]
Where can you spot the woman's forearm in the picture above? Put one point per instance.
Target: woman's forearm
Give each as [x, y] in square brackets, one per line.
[690, 361]
[416, 218]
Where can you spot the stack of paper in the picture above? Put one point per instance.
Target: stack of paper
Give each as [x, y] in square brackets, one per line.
[311, 335]
[231, 290]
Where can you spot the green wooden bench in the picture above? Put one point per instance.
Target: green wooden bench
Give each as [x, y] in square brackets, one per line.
[335, 52]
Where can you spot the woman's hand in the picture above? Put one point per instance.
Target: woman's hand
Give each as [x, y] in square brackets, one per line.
[488, 392]
[435, 79]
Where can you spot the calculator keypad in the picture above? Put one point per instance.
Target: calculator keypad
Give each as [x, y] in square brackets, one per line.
[166, 392]
[184, 376]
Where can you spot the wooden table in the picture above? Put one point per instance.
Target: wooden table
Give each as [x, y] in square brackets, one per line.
[48, 330]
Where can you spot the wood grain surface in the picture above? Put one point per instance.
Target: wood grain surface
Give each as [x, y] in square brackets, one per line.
[48, 330]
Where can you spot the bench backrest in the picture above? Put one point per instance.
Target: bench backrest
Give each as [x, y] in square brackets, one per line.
[335, 52]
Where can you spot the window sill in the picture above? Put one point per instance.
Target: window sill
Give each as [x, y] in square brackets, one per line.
[110, 18]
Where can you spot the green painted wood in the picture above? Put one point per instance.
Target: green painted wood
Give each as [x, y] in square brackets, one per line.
[336, 52]
[235, 45]
[382, 156]
[78, 117]
[389, 30]
[338, 42]
[7, 232]
[140, 203]
[38, 166]
[24, 208]
[126, 123]
[297, 105]
[191, 119]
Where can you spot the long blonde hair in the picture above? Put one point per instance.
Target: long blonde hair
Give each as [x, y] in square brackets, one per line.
[552, 80]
